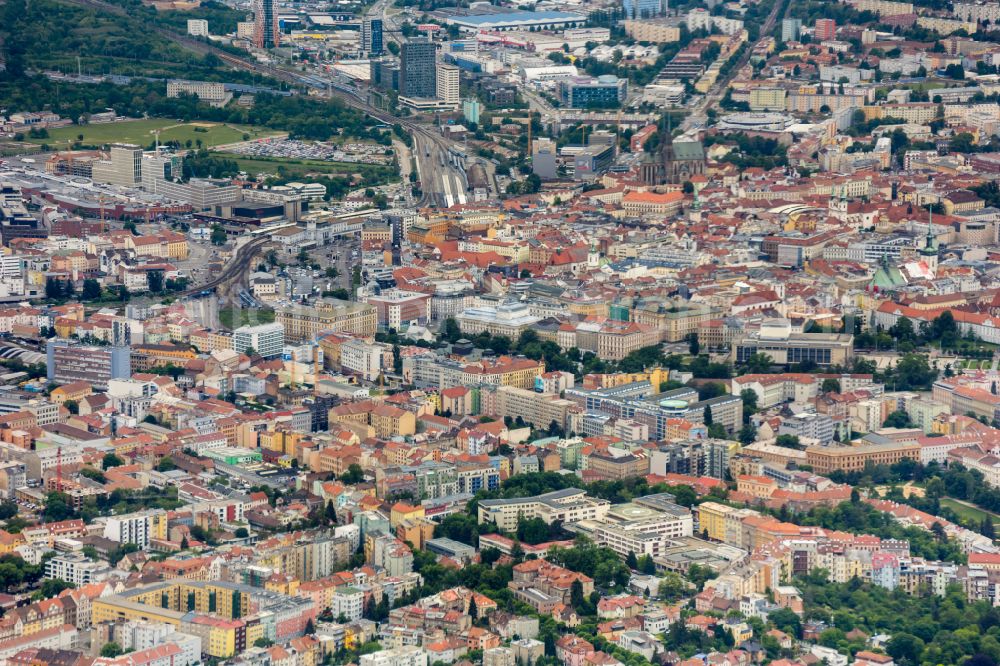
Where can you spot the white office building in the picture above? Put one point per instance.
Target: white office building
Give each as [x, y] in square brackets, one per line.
[124, 168]
[266, 339]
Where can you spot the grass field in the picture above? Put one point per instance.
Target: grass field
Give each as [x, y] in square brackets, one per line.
[292, 168]
[140, 132]
[232, 318]
[968, 512]
[975, 364]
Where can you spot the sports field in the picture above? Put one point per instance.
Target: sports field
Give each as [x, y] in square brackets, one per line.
[141, 132]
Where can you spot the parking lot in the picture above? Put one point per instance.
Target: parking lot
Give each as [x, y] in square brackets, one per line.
[360, 153]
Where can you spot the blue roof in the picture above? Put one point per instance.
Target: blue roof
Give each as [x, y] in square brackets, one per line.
[518, 17]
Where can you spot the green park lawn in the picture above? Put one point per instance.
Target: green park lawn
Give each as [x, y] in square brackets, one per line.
[968, 512]
[141, 132]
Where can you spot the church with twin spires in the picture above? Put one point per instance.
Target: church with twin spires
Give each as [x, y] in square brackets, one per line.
[675, 162]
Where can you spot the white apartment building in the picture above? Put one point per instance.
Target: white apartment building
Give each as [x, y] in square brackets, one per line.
[266, 339]
[143, 635]
[363, 359]
[137, 528]
[447, 84]
[11, 266]
[74, 568]
[408, 655]
[499, 656]
[980, 12]
[180, 650]
[567, 506]
[198, 27]
[349, 602]
[45, 412]
[245, 29]
[211, 93]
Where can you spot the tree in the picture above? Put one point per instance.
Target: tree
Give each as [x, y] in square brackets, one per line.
[718, 431]
[749, 398]
[111, 460]
[647, 565]
[937, 529]
[913, 372]
[353, 475]
[155, 280]
[831, 385]
[630, 561]
[450, 330]
[72, 406]
[788, 441]
[58, 507]
[218, 236]
[897, 419]
[310, 628]
[787, 621]
[112, 650]
[51, 587]
[576, 594]
[263, 642]
[747, 434]
[473, 609]
[53, 289]
[330, 513]
[707, 415]
[711, 390]
[91, 289]
[757, 363]
[241, 533]
[184, 543]
[532, 530]
[987, 528]
[905, 648]
[684, 495]
[672, 587]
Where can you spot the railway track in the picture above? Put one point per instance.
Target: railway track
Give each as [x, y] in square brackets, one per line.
[234, 269]
[347, 97]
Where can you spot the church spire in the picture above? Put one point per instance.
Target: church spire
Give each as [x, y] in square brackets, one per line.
[929, 249]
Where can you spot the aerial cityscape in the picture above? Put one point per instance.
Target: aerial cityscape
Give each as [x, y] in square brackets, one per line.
[499, 332]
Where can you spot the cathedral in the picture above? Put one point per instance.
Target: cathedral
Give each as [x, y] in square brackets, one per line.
[675, 163]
